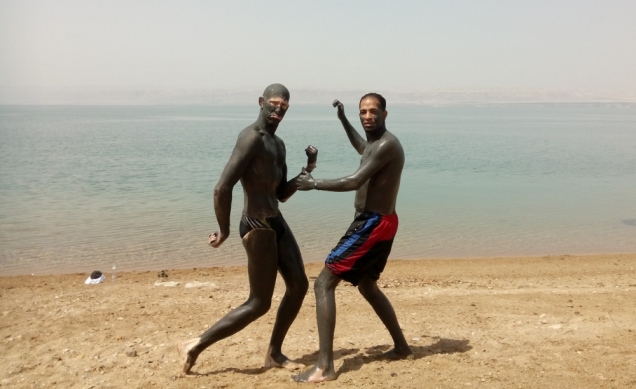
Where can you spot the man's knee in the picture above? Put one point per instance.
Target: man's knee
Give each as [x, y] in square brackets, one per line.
[368, 288]
[319, 287]
[259, 307]
[300, 287]
[326, 281]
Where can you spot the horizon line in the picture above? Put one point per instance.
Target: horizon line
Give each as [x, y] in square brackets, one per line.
[99, 95]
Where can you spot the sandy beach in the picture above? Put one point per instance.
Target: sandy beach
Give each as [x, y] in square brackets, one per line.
[539, 322]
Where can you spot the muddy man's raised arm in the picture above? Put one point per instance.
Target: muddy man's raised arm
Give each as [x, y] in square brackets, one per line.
[356, 140]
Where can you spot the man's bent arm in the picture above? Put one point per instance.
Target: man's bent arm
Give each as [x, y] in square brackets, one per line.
[355, 138]
[367, 169]
[286, 188]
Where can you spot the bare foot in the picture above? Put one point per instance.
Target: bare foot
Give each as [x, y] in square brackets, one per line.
[393, 354]
[314, 374]
[282, 361]
[184, 352]
[278, 359]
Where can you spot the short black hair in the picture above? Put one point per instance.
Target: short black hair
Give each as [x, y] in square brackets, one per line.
[378, 97]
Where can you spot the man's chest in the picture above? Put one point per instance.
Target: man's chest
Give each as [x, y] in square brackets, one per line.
[273, 151]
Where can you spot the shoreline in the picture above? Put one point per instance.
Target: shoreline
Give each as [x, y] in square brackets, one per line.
[563, 321]
[127, 269]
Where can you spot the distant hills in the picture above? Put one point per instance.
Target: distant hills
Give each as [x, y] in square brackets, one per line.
[91, 95]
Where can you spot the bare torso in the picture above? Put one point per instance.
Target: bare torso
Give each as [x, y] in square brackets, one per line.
[258, 162]
[380, 192]
[263, 173]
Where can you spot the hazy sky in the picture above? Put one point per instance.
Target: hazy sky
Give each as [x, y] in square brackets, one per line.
[331, 45]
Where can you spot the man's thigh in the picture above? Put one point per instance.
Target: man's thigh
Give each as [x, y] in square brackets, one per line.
[290, 261]
[260, 246]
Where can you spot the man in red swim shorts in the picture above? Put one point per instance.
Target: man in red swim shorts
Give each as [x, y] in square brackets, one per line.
[362, 252]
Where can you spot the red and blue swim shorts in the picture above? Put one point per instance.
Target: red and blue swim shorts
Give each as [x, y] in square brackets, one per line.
[364, 248]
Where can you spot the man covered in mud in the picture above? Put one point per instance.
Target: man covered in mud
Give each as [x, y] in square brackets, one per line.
[258, 161]
[361, 254]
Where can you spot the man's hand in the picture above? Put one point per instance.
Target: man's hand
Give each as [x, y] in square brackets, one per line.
[305, 181]
[312, 157]
[341, 114]
[216, 239]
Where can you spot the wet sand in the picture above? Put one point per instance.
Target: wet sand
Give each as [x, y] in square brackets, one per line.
[537, 322]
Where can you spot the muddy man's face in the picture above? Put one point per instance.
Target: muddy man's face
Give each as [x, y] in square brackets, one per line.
[274, 108]
[371, 115]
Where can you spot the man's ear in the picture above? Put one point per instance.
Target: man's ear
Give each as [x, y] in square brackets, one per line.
[261, 100]
[385, 113]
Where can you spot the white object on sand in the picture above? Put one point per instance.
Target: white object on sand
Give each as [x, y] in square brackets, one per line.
[93, 281]
[197, 284]
[167, 283]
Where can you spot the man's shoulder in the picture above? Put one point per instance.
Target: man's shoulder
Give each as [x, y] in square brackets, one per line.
[389, 141]
[388, 148]
[250, 135]
[391, 136]
[250, 130]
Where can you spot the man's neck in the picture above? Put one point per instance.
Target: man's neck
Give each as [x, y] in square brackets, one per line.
[264, 126]
[376, 134]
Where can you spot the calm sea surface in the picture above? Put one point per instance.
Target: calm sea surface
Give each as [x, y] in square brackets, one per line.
[84, 188]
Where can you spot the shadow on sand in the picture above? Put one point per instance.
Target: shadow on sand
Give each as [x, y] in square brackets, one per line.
[372, 354]
[359, 358]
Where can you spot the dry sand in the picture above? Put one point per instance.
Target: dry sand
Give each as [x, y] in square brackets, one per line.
[551, 322]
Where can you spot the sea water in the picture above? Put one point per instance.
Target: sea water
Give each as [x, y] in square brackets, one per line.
[83, 187]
